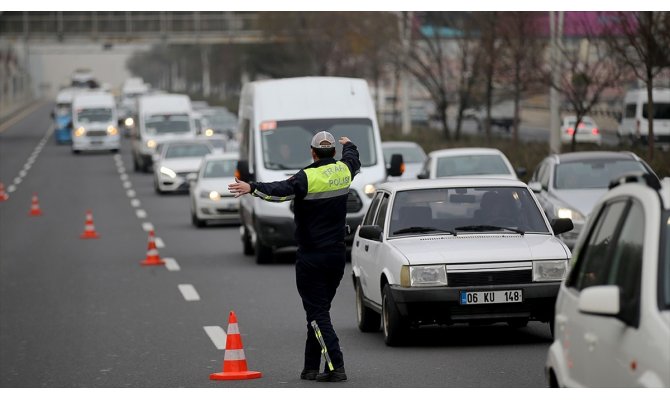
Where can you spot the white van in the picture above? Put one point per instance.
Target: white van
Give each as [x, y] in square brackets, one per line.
[634, 123]
[161, 118]
[277, 120]
[94, 122]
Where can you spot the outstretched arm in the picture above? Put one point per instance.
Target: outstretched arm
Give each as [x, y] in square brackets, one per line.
[295, 186]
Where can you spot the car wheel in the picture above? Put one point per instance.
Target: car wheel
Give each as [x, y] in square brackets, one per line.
[136, 166]
[197, 222]
[395, 328]
[263, 253]
[368, 319]
[248, 248]
[76, 151]
[518, 323]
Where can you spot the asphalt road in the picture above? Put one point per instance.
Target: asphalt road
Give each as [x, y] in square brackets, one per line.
[84, 313]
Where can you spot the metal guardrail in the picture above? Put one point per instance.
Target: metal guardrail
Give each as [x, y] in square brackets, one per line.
[132, 26]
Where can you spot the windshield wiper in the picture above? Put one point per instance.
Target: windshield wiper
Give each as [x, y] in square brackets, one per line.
[422, 229]
[482, 228]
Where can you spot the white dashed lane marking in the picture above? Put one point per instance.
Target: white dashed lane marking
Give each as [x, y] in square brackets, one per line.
[124, 177]
[189, 292]
[147, 226]
[217, 335]
[135, 202]
[141, 213]
[11, 188]
[130, 193]
[17, 180]
[159, 243]
[127, 184]
[171, 264]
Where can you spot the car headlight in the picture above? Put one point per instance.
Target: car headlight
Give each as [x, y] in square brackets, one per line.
[167, 171]
[80, 131]
[369, 189]
[112, 130]
[151, 144]
[549, 270]
[574, 215]
[423, 275]
[210, 194]
[129, 122]
[209, 132]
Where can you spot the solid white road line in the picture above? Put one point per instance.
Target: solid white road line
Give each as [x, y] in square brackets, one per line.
[147, 226]
[135, 202]
[127, 184]
[130, 193]
[217, 335]
[159, 243]
[141, 213]
[189, 292]
[171, 264]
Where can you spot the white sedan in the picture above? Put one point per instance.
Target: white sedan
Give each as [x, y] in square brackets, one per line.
[468, 161]
[587, 131]
[210, 198]
[448, 251]
[175, 162]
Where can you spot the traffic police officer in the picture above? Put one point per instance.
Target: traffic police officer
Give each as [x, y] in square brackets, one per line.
[320, 193]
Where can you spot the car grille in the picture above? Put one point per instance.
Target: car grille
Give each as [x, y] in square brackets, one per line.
[96, 133]
[458, 279]
[354, 202]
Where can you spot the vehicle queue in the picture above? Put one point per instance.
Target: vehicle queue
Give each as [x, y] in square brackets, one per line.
[467, 243]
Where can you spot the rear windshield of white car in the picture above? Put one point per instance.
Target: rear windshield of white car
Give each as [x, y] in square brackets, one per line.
[286, 144]
[181, 151]
[219, 169]
[409, 154]
[465, 210]
[88, 115]
[484, 164]
[169, 123]
[593, 174]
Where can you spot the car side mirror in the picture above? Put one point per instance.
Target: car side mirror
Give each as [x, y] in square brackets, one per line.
[600, 300]
[397, 165]
[242, 173]
[562, 225]
[536, 187]
[371, 232]
[422, 175]
[520, 172]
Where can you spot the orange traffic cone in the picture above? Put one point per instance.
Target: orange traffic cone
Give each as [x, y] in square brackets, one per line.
[89, 228]
[152, 253]
[234, 362]
[35, 207]
[3, 195]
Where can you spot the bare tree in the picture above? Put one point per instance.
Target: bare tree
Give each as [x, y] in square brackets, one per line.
[491, 46]
[641, 41]
[521, 57]
[470, 53]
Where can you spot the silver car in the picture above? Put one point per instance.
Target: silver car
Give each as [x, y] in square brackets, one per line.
[413, 157]
[569, 185]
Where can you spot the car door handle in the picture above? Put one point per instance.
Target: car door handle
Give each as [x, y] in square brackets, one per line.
[366, 247]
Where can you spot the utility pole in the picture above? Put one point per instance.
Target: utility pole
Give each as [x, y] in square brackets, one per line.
[405, 32]
[556, 33]
[205, 52]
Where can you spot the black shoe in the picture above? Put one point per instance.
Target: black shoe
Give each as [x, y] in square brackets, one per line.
[309, 374]
[336, 375]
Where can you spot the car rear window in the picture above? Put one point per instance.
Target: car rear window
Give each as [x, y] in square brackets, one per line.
[483, 164]
[219, 169]
[409, 154]
[592, 174]
[179, 151]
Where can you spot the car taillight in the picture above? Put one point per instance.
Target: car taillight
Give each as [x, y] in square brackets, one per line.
[594, 131]
[570, 131]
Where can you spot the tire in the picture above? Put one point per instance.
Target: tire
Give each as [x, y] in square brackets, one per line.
[263, 253]
[197, 222]
[247, 246]
[395, 328]
[518, 323]
[136, 166]
[368, 319]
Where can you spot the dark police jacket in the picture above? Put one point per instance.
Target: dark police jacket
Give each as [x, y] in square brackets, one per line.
[320, 192]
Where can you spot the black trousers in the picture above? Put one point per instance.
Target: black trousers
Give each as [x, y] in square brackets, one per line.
[318, 274]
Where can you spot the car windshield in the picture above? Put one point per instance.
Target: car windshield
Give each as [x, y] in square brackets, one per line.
[592, 174]
[187, 150]
[63, 109]
[484, 164]
[168, 123]
[664, 281]
[220, 122]
[88, 115]
[219, 169]
[286, 144]
[409, 154]
[463, 210]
